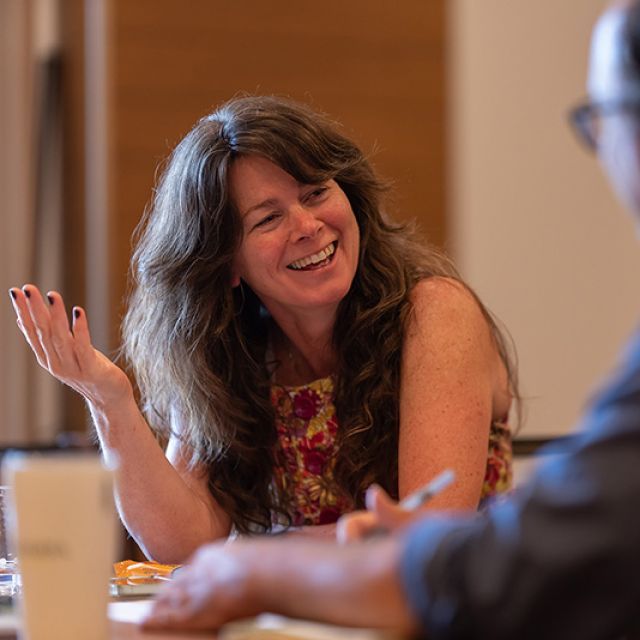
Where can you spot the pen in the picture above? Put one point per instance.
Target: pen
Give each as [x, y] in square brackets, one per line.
[417, 499]
[431, 489]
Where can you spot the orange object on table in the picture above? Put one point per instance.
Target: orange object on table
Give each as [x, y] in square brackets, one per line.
[134, 572]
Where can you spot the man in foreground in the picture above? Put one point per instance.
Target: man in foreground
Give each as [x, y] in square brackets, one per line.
[561, 559]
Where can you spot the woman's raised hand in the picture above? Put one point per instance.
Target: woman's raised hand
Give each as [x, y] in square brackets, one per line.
[66, 351]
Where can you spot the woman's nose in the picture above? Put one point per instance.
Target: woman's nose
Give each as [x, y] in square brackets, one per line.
[304, 223]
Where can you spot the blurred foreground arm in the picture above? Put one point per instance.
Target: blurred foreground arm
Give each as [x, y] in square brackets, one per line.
[350, 586]
[559, 560]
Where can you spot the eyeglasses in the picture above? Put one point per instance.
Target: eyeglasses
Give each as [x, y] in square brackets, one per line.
[586, 118]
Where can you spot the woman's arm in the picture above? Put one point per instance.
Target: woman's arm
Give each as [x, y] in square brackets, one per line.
[166, 508]
[453, 383]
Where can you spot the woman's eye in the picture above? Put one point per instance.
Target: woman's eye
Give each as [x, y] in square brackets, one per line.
[266, 220]
[316, 194]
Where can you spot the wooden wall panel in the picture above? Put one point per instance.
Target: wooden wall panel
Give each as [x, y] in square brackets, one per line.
[75, 416]
[375, 66]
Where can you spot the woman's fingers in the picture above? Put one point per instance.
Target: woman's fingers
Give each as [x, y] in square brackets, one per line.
[45, 325]
[25, 322]
[53, 341]
[60, 333]
[82, 337]
[66, 351]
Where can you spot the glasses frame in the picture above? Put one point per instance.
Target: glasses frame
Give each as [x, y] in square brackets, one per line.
[582, 115]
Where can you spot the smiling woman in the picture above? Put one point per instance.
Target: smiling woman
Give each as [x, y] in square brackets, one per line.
[300, 246]
[290, 343]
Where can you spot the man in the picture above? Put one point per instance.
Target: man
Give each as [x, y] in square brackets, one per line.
[561, 559]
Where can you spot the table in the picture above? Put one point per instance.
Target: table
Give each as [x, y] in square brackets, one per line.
[124, 616]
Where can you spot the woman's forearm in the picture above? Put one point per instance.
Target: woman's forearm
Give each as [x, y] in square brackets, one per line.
[165, 517]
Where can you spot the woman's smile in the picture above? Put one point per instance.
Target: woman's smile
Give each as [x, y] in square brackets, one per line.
[315, 260]
[301, 242]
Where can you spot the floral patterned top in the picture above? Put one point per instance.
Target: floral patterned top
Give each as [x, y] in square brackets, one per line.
[305, 418]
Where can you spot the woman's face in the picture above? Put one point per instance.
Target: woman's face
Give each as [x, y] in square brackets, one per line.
[300, 244]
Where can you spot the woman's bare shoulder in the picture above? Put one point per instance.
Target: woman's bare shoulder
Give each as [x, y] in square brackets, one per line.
[443, 296]
[446, 310]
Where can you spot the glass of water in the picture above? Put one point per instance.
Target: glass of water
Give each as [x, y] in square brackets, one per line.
[8, 572]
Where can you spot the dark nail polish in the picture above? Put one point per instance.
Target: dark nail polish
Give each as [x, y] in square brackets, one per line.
[50, 299]
[12, 293]
[76, 313]
[27, 293]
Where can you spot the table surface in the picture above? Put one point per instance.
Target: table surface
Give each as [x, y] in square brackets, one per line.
[124, 618]
[125, 615]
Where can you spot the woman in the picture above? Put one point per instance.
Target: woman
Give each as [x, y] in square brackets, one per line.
[290, 344]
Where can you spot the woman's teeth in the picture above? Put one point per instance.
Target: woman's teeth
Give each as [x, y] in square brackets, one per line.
[314, 259]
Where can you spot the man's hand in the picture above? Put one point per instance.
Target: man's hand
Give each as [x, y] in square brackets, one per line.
[355, 585]
[212, 589]
[383, 515]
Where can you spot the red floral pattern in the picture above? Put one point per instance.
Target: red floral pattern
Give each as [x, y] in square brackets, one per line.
[306, 425]
[498, 477]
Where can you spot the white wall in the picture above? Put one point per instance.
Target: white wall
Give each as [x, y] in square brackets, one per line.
[536, 231]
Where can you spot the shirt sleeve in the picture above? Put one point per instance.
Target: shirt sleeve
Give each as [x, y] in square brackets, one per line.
[560, 558]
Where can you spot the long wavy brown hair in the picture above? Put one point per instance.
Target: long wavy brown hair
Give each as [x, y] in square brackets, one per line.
[197, 346]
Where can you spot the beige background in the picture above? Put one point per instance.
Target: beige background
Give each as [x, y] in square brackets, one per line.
[534, 227]
[530, 218]
[136, 76]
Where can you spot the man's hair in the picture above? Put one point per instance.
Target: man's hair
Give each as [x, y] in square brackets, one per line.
[631, 41]
[198, 346]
